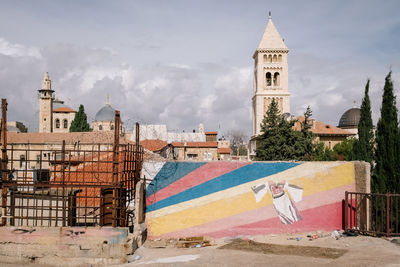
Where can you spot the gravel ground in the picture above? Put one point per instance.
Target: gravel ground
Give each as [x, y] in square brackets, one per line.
[360, 251]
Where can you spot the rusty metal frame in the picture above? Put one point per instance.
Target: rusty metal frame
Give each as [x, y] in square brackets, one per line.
[372, 213]
[63, 184]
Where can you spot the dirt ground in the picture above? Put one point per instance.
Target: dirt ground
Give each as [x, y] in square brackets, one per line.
[273, 250]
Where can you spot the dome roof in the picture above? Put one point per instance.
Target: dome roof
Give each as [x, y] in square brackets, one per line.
[106, 113]
[350, 118]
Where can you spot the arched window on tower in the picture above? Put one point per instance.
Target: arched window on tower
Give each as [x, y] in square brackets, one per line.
[265, 58]
[268, 78]
[276, 79]
[275, 59]
[280, 58]
[100, 127]
[65, 122]
[270, 58]
[57, 123]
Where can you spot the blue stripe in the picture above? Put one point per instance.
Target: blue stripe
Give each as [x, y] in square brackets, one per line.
[169, 173]
[237, 177]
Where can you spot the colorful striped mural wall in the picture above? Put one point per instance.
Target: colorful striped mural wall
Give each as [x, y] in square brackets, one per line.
[221, 199]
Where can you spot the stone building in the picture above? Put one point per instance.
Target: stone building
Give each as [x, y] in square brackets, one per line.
[54, 116]
[328, 134]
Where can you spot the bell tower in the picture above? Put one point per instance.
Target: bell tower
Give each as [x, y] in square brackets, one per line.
[270, 75]
[46, 105]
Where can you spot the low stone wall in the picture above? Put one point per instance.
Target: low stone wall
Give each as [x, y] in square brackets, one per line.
[220, 199]
[66, 246]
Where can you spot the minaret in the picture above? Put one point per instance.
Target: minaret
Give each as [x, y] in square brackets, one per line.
[46, 106]
[270, 75]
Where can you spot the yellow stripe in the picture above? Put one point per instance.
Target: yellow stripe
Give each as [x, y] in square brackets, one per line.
[307, 169]
[337, 176]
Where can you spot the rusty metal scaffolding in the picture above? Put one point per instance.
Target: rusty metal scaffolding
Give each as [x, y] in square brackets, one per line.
[69, 185]
[371, 213]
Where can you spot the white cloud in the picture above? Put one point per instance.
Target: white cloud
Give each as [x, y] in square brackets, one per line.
[18, 50]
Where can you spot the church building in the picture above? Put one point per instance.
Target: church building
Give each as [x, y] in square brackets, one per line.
[271, 82]
[270, 78]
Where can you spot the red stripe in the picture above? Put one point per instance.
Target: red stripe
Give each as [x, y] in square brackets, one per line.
[203, 174]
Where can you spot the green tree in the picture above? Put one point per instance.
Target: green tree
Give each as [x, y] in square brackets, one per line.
[278, 140]
[80, 124]
[344, 150]
[363, 148]
[386, 172]
[322, 153]
[308, 136]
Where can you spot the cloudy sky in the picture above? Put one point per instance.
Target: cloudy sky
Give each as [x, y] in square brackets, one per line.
[182, 62]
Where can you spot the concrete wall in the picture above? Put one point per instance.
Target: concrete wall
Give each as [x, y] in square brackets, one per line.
[69, 246]
[221, 199]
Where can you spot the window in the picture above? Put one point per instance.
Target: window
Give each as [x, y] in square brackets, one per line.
[265, 58]
[276, 79]
[192, 156]
[207, 156]
[275, 59]
[38, 159]
[268, 78]
[57, 123]
[65, 122]
[100, 127]
[280, 58]
[270, 58]
[112, 127]
[22, 161]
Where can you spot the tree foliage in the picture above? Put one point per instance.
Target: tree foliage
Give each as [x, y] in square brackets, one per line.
[278, 140]
[80, 124]
[386, 175]
[364, 146]
[344, 150]
[309, 145]
[322, 153]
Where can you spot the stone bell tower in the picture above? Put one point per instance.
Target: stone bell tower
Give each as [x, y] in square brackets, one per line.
[46, 106]
[270, 75]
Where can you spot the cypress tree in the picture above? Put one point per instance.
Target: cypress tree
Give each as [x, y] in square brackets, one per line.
[309, 145]
[80, 124]
[363, 148]
[386, 172]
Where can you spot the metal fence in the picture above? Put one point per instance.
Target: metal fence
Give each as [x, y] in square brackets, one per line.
[63, 184]
[373, 214]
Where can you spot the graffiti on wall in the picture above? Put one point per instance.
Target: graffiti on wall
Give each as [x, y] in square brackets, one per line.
[221, 199]
[283, 201]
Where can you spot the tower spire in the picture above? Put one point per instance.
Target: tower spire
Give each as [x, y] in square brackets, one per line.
[108, 100]
[269, 15]
[46, 82]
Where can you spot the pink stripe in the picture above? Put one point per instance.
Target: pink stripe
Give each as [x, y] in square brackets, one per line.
[326, 218]
[203, 174]
[262, 214]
